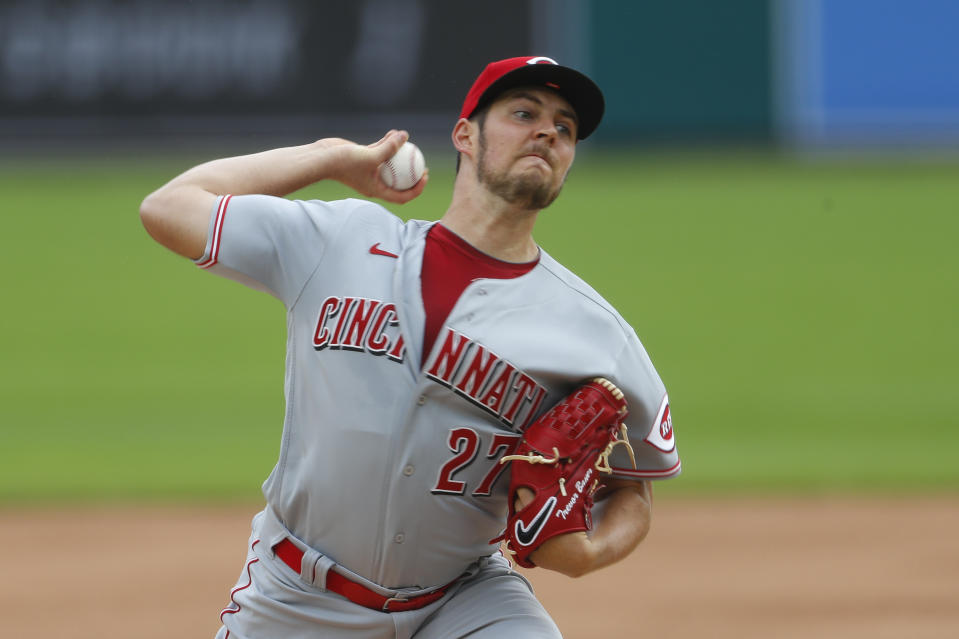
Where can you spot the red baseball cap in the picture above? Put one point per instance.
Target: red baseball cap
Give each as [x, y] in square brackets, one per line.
[581, 92]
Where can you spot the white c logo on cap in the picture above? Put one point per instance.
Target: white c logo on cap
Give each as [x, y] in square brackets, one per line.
[542, 60]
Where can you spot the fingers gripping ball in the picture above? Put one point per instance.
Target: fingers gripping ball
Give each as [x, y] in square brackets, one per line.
[404, 169]
[560, 459]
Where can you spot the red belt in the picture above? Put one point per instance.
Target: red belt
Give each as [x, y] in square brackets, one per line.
[292, 556]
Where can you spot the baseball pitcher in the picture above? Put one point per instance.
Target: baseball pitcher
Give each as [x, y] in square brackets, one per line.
[457, 401]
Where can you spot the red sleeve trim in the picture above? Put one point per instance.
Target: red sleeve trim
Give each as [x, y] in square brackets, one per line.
[649, 474]
[217, 231]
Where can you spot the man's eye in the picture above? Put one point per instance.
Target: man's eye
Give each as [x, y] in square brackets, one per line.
[525, 115]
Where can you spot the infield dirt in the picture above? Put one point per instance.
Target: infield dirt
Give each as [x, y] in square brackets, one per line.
[783, 567]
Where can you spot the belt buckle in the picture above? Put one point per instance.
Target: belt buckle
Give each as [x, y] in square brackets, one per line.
[386, 604]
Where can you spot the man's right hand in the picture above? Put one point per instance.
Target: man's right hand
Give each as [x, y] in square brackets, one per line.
[357, 166]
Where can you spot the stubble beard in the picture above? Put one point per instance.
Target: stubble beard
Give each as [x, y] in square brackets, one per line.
[528, 191]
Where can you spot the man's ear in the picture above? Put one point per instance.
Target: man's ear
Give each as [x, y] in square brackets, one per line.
[464, 136]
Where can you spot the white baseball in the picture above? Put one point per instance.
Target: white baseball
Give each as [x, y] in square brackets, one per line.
[404, 170]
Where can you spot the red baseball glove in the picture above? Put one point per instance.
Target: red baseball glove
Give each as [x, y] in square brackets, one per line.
[560, 459]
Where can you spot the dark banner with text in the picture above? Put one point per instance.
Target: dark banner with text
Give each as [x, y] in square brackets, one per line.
[256, 57]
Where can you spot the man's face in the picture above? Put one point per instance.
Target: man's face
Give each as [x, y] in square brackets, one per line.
[526, 147]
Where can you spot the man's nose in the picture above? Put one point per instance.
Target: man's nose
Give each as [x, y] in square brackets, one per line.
[547, 131]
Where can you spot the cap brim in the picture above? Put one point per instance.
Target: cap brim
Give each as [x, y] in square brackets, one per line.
[581, 92]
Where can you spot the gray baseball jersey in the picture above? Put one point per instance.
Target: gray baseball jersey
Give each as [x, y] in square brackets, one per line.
[388, 462]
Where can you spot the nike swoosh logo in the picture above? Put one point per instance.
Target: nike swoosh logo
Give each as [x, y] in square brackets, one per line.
[376, 250]
[526, 535]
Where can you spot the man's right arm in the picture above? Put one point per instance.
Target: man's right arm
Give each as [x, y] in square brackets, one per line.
[177, 215]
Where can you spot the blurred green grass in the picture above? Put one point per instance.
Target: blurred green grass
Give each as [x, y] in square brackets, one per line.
[802, 315]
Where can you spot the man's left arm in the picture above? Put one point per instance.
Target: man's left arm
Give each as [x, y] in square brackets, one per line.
[621, 520]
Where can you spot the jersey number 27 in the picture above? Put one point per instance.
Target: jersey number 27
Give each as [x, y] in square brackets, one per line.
[465, 444]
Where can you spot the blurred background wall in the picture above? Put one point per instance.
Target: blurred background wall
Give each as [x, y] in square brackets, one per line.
[796, 300]
[795, 74]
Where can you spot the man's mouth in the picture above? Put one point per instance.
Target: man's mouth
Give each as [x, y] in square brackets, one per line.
[541, 156]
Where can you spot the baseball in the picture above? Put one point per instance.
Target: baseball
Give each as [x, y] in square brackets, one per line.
[403, 170]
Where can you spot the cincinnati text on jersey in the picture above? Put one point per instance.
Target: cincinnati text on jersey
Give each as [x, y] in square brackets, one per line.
[461, 364]
[359, 324]
[486, 379]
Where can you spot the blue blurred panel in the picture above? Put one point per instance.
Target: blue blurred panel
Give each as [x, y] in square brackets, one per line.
[891, 54]
[862, 73]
